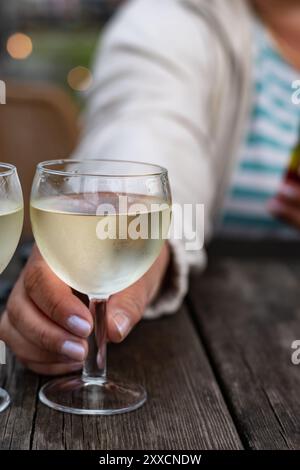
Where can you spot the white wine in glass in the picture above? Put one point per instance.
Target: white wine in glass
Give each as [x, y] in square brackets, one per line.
[11, 223]
[99, 225]
[102, 267]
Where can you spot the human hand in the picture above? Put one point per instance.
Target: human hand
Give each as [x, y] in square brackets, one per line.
[46, 325]
[286, 205]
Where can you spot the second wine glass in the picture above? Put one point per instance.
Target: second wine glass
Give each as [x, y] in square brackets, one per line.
[11, 223]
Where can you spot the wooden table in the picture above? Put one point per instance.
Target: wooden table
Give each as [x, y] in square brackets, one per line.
[218, 373]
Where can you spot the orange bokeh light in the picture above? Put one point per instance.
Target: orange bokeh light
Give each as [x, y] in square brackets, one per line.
[19, 46]
[80, 78]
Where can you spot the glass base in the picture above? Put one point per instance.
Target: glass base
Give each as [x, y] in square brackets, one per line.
[4, 400]
[84, 397]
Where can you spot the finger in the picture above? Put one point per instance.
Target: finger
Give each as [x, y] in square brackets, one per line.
[24, 349]
[40, 330]
[290, 193]
[53, 369]
[56, 299]
[286, 211]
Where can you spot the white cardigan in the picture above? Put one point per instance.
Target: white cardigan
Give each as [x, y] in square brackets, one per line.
[172, 86]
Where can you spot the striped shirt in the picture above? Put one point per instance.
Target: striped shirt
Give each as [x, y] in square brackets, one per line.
[272, 133]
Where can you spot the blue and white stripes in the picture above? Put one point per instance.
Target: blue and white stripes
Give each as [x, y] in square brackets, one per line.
[272, 134]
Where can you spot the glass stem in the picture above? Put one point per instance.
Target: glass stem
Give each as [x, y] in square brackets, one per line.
[94, 369]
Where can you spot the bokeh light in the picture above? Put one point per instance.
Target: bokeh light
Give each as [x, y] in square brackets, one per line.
[80, 78]
[19, 46]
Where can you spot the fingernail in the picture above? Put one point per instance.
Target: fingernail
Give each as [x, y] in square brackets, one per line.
[122, 323]
[73, 350]
[288, 191]
[79, 326]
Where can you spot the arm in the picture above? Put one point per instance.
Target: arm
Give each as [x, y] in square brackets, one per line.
[150, 101]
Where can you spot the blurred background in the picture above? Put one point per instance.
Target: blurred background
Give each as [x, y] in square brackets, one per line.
[46, 52]
[52, 40]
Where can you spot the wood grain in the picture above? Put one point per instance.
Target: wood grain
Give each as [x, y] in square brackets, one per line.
[185, 409]
[17, 422]
[247, 312]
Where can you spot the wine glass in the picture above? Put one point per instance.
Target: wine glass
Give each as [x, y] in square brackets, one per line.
[100, 225]
[11, 223]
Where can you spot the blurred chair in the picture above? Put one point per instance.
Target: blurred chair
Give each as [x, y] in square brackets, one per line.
[39, 122]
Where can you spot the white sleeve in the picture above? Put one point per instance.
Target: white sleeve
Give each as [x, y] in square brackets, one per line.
[150, 101]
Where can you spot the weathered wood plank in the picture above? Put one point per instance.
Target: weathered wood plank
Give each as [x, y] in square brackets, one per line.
[185, 409]
[17, 421]
[248, 314]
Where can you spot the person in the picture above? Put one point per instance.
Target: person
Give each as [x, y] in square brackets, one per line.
[204, 89]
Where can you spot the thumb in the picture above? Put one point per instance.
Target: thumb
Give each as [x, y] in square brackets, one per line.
[125, 310]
